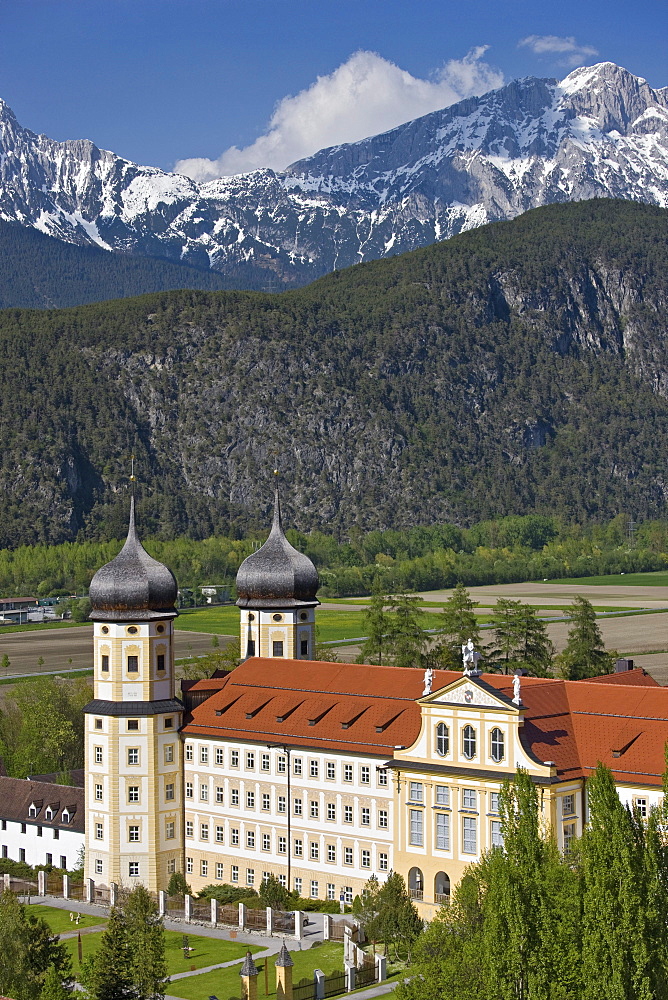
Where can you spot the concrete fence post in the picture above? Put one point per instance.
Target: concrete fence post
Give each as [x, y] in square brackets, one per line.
[319, 983]
[214, 911]
[326, 926]
[90, 890]
[242, 915]
[162, 903]
[381, 968]
[66, 886]
[41, 882]
[350, 977]
[6, 881]
[113, 894]
[299, 918]
[270, 921]
[188, 908]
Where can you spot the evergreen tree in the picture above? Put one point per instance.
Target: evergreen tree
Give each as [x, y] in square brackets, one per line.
[584, 655]
[146, 941]
[521, 637]
[177, 885]
[28, 950]
[397, 921]
[376, 625]
[459, 624]
[273, 894]
[108, 976]
[54, 988]
[407, 637]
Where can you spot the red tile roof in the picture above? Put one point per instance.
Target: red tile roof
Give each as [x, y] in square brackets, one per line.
[372, 710]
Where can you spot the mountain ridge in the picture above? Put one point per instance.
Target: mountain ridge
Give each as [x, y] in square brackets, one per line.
[601, 132]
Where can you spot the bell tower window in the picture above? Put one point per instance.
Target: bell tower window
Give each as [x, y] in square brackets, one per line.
[303, 647]
[277, 648]
[133, 664]
[105, 662]
[161, 661]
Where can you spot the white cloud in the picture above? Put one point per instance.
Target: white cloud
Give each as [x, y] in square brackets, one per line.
[570, 51]
[364, 96]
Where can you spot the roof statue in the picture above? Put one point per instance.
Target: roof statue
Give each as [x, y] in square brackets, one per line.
[470, 657]
[428, 681]
[517, 699]
[277, 574]
[133, 585]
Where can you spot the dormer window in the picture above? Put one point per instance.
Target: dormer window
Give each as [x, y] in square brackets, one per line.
[34, 809]
[66, 816]
[48, 813]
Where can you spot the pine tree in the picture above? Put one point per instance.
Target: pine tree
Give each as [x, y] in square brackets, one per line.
[53, 988]
[108, 976]
[398, 923]
[407, 637]
[376, 626]
[146, 940]
[459, 624]
[584, 655]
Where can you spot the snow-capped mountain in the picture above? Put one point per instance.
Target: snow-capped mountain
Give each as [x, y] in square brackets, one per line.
[600, 132]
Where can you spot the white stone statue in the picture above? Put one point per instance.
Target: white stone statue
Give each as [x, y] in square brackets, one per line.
[470, 657]
[517, 700]
[428, 680]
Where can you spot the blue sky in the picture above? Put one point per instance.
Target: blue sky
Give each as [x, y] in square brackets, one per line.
[208, 81]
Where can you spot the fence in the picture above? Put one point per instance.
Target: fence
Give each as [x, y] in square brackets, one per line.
[366, 972]
[175, 907]
[229, 914]
[201, 910]
[338, 930]
[283, 923]
[54, 885]
[76, 891]
[256, 920]
[304, 990]
[334, 984]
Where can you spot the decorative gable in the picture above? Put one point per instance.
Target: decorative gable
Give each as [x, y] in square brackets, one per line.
[473, 692]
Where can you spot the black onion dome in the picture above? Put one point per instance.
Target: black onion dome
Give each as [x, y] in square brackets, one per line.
[277, 575]
[133, 585]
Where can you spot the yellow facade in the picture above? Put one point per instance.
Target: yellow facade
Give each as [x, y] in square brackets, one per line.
[283, 633]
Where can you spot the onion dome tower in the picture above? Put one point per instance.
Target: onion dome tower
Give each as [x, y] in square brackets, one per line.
[133, 753]
[276, 588]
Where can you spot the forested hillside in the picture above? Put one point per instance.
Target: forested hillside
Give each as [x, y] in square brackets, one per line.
[519, 367]
[40, 272]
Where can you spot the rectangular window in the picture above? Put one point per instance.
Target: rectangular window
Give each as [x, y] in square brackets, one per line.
[220, 758]
[315, 851]
[282, 845]
[169, 753]
[133, 834]
[266, 842]
[189, 789]
[281, 764]
[189, 866]
[303, 647]
[383, 819]
[469, 798]
[56, 836]
[281, 804]
[219, 870]
[169, 791]
[22, 853]
[133, 755]
[347, 814]
[266, 802]
[204, 867]
[250, 876]
[250, 760]
[105, 662]
[220, 834]
[383, 862]
[494, 802]
[442, 795]
[331, 810]
[297, 807]
[98, 755]
[24, 827]
[99, 831]
[569, 836]
[98, 723]
[98, 864]
[416, 827]
[234, 836]
[313, 809]
[133, 725]
[171, 866]
[331, 852]
[365, 775]
[4, 850]
[264, 762]
[250, 800]
[296, 765]
[331, 770]
[366, 859]
[169, 723]
[133, 793]
[314, 889]
[169, 830]
[277, 647]
[313, 768]
[98, 793]
[234, 796]
[298, 848]
[204, 831]
[442, 831]
[415, 791]
[331, 890]
[382, 776]
[190, 828]
[204, 755]
[161, 662]
[133, 664]
[234, 758]
[189, 751]
[298, 886]
[470, 835]
[250, 839]
[347, 855]
[133, 869]
[497, 838]
[282, 880]
[234, 873]
[39, 831]
[204, 793]
[347, 772]
[365, 816]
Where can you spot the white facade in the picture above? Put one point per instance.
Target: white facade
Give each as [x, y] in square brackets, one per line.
[40, 845]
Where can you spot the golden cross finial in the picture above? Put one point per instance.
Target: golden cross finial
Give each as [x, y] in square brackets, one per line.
[133, 478]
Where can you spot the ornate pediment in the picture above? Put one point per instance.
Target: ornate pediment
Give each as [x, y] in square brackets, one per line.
[471, 693]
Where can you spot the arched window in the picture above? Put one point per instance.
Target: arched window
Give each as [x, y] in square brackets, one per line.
[498, 745]
[469, 742]
[442, 739]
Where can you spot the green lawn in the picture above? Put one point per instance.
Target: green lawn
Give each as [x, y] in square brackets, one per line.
[59, 920]
[658, 579]
[40, 626]
[221, 620]
[226, 983]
